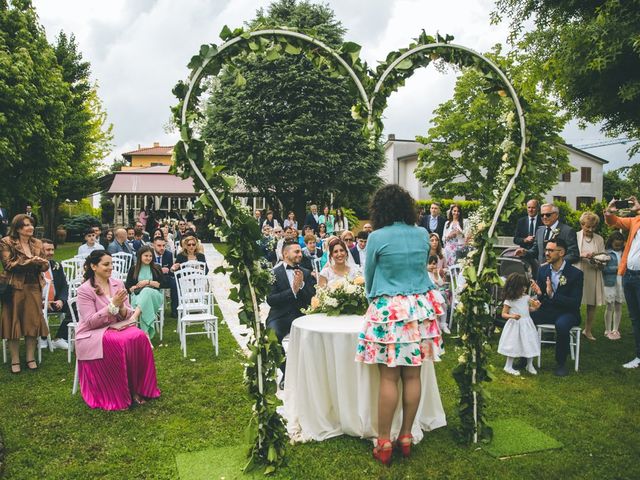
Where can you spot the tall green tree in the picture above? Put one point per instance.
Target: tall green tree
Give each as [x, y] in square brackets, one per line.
[33, 95]
[85, 129]
[587, 52]
[285, 127]
[476, 133]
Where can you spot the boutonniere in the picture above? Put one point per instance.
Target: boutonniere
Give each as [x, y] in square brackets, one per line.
[562, 281]
[555, 232]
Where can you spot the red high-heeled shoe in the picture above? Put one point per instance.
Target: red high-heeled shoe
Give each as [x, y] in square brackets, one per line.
[404, 444]
[383, 451]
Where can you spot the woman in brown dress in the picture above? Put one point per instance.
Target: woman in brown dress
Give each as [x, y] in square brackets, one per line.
[22, 307]
[589, 244]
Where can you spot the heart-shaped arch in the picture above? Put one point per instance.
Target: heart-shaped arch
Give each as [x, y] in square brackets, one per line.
[189, 154]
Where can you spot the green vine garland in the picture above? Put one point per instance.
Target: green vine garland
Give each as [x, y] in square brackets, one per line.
[266, 432]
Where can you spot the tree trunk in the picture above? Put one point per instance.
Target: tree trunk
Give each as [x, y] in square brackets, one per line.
[300, 207]
[48, 217]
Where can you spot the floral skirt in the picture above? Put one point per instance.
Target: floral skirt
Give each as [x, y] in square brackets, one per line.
[402, 330]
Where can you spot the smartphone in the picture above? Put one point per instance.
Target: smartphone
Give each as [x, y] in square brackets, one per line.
[622, 203]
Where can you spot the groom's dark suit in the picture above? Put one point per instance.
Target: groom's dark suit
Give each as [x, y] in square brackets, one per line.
[563, 309]
[285, 306]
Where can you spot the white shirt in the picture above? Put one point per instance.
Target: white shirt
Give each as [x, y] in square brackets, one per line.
[85, 249]
[633, 259]
[555, 276]
[552, 227]
[433, 223]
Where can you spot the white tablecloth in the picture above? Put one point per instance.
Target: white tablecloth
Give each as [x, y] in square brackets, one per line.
[327, 393]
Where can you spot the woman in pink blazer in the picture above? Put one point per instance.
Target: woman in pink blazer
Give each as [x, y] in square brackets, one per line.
[115, 367]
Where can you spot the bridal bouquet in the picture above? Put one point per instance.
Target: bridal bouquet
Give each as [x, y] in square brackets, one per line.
[341, 296]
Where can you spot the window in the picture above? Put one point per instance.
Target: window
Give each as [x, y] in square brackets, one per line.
[584, 201]
[565, 177]
[585, 175]
[259, 203]
[559, 199]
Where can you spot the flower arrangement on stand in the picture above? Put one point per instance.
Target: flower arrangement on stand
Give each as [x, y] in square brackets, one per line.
[340, 297]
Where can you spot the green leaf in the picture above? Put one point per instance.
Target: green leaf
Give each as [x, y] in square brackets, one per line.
[240, 81]
[225, 33]
[292, 49]
[405, 64]
[272, 54]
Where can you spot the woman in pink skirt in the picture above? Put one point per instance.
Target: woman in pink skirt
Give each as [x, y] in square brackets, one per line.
[115, 364]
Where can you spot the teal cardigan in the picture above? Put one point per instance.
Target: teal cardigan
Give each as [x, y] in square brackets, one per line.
[397, 261]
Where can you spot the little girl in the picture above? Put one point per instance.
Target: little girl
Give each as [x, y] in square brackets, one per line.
[438, 281]
[519, 337]
[613, 293]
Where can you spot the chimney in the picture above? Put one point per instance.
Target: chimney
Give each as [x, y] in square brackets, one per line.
[391, 137]
[156, 144]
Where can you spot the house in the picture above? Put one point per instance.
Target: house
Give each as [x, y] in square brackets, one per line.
[146, 181]
[583, 186]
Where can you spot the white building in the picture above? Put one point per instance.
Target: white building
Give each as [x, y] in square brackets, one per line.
[582, 186]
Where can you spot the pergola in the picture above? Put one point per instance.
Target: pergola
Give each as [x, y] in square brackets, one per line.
[154, 187]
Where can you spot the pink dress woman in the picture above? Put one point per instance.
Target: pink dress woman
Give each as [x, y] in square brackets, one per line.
[113, 365]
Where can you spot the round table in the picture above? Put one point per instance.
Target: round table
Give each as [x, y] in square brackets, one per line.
[327, 393]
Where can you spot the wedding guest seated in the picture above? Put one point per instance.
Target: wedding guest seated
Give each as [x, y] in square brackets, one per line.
[138, 239]
[559, 289]
[439, 282]
[115, 362]
[144, 281]
[290, 235]
[119, 243]
[359, 250]
[438, 251]
[311, 254]
[90, 244]
[131, 235]
[270, 220]
[322, 232]
[349, 240]
[106, 239]
[164, 259]
[139, 227]
[367, 228]
[58, 295]
[189, 253]
[306, 230]
[268, 245]
[339, 265]
[290, 293]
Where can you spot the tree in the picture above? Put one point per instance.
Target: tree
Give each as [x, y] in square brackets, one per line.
[33, 95]
[285, 127]
[85, 130]
[476, 133]
[587, 52]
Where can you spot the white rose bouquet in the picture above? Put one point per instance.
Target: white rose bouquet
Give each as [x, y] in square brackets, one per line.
[341, 296]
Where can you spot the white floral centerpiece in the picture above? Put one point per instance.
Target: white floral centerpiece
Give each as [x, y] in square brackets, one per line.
[340, 297]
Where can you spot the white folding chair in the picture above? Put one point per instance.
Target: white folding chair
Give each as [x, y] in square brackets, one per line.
[45, 313]
[71, 327]
[454, 272]
[73, 268]
[195, 264]
[197, 310]
[183, 273]
[574, 341]
[119, 268]
[127, 257]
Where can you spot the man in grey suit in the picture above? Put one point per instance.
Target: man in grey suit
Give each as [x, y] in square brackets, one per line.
[552, 229]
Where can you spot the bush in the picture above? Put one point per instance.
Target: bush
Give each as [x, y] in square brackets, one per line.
[77, 225]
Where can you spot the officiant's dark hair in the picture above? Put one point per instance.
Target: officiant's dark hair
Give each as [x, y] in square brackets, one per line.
[390, 204]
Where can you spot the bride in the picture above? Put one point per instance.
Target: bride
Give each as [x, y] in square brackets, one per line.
[340, 264]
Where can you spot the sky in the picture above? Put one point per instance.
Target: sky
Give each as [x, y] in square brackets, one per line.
[139, 49]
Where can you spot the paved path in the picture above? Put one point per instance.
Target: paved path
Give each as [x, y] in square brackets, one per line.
[221, 288]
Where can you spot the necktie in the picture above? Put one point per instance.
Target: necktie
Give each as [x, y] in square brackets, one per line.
[289, 267]
[158, 260]
[547, 234]
[531, 222]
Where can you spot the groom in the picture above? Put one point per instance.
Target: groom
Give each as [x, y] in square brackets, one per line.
[292, 291]
[559, 289]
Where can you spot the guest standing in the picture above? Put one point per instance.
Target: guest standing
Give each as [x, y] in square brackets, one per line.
[291, 221]
[590, 243]
[341, 224]
[23, 261]
[613, 291]
[328, 220]
[400, 329]
[144, 281]
[454, 235]
[629, 267]
[434, 222]
[115, 367]
[4, 220]
[313, 218]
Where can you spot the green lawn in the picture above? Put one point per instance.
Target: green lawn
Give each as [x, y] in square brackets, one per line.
[51, 434]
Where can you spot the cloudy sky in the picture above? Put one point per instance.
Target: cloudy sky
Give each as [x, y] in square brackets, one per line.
[139, 49]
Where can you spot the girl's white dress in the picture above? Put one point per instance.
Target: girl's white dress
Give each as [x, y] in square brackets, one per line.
[519, 337]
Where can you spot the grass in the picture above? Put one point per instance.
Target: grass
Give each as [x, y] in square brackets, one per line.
[51, 434]
[514, 437]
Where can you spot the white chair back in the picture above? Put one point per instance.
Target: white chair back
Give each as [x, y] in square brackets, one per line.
[73, 268]
[120, 269]
[192, 291]
[73, 287]
[127, 257]
[187, 272]
[195, 264]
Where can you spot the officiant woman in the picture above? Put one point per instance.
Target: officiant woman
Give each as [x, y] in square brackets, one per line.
[115, 366]
[400, 326]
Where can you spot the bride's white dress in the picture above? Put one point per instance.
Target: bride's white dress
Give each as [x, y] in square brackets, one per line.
[330, 275]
